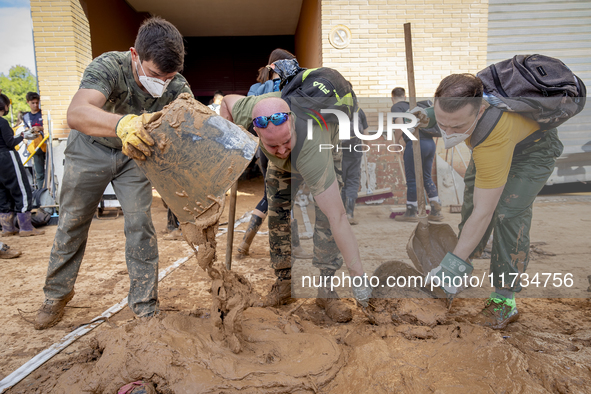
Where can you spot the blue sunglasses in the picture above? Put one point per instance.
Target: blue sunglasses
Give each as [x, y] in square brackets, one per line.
[277, 119]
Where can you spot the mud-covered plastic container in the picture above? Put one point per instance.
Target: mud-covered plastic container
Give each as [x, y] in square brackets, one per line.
[197, 157]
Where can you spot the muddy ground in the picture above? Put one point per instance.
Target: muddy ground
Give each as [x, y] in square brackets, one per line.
[547, 350]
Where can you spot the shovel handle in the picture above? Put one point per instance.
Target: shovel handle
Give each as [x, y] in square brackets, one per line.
[231, 219]
[416, 146]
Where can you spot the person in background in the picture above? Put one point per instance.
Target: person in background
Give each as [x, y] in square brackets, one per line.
[267, 82]
[427, 157]
[15, 192]
[218, 96]
[267, 79]
[33, 121]
[23, 148]
[19, 120]
[352, 169]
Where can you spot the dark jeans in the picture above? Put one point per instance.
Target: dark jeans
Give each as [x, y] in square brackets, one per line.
[39, 162]
[427, 157]
[351, 174]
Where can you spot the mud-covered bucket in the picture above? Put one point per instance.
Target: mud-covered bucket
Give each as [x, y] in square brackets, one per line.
[197, 157]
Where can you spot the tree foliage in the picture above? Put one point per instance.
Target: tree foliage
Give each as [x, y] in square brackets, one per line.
[16, 85]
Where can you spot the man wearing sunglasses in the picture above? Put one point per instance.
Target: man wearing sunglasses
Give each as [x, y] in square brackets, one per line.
[294, 159]
[117, 92]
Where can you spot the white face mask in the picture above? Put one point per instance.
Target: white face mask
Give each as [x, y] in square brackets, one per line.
[451, 140]
[154, 86]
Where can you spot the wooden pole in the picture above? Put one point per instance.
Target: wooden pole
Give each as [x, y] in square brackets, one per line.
[231, 219]
[416, 146]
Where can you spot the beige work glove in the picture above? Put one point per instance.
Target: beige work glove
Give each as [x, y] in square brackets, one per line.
[137, 142]
[422, 118]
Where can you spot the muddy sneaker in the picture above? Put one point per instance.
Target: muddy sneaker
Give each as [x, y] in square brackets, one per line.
[497, 313]
[7, 253]
[410, 215]
[435, 214]
[280, 294]
[51, 312]
[333, 306]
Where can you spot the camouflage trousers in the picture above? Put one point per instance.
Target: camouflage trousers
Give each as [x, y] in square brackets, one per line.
[89, 168]
[511, 222]
[281, 189]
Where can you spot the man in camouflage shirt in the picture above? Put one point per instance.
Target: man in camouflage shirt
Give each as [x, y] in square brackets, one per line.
[116, 89]
[334, 240]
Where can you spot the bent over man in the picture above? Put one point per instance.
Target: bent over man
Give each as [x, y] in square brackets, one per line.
[505, 174]
[116, 89]
[294, 159]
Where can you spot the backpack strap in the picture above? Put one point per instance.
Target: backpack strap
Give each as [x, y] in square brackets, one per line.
[489, 121]
[27, 120]
[485, 125]
[529, 141]
[301, 134]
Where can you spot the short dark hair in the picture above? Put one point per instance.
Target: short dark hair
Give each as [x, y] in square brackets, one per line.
[159, 41]
[265, 73]
[4, 102]
[398, 92]
[32, 96]
[458, 90]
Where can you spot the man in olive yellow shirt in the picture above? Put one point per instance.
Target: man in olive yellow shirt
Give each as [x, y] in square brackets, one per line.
[505, 174]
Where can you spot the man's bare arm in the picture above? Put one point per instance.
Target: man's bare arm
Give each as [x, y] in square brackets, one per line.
[227, 105]
[485, 203]
[86, 115]
[330, 203]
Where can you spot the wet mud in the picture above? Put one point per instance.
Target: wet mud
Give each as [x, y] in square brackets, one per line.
[179, 354]
[417, 347]
[231, 293]
[285, 352]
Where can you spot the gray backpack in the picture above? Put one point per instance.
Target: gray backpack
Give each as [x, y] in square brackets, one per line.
[536, 86]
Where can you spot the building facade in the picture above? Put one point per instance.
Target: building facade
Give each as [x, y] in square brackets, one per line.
[227, 43]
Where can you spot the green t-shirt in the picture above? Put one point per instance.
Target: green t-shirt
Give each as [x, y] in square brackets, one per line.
[315, 165]
[111, 74]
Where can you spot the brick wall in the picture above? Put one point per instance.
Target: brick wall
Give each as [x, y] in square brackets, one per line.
[62, 51]
[448, 37]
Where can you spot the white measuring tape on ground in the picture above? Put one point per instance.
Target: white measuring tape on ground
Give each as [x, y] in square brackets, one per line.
[57, 347]
[245, 218]
[309, 231]
[302, 200]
